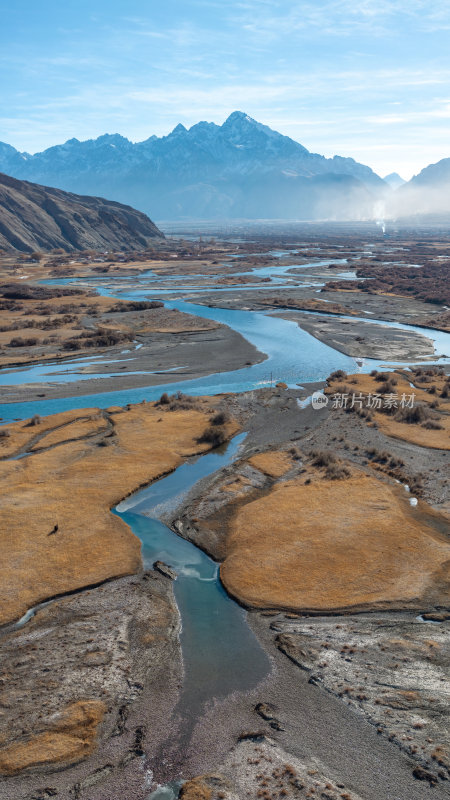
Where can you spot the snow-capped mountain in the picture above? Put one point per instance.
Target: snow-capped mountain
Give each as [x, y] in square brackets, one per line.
[239, 169]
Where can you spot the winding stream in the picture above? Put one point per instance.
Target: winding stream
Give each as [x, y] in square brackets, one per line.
[293, 355]
[220, 653]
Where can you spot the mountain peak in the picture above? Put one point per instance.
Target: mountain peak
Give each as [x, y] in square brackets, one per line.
[111, 138]
[240, 168]
[394, 180]
[178, 129]
[7, 149]
[237, 117]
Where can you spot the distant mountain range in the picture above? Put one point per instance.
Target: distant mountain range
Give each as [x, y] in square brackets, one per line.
[426, 193]
[241, 169]
[37, 218]
[394, 180]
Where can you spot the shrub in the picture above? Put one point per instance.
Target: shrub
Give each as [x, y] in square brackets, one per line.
[221, 418]
[36, 420]
[388, 387]
[342, 388]
[413, 416]
[337, 375]
[102, 337]
[21, 291]
[136, 305]
[323, 458]
[182, 402]
[178, 401]
[337, 472]
[376, 455]
[18, 341]
[214, 435]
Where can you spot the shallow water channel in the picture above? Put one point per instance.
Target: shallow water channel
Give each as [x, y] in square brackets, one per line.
[220, 653]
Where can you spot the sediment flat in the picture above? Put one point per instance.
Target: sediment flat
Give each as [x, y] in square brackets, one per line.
[365, 339]
[189, 355]
[355, 704]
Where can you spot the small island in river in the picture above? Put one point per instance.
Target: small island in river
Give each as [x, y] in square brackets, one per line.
[215, 584]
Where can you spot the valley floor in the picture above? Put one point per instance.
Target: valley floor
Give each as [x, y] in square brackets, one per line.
[330, 526]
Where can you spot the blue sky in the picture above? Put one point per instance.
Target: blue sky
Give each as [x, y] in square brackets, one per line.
[355, 77]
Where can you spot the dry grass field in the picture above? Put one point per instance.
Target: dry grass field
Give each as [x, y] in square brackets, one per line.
[335, 545]
[58, 534]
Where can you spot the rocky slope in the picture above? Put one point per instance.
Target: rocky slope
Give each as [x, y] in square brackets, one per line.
[34, 217]
[239, 169]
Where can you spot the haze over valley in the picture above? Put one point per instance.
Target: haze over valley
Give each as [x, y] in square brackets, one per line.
[225, 400]
[241, 169]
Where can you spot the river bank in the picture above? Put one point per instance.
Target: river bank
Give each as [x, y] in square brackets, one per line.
[330, 650]
[85, 638]
[361, 339]
[99, 675]
[162, 358]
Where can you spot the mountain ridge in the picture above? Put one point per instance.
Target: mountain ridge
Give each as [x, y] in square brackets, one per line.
[236, 169]
[35, 217]
[427, 193]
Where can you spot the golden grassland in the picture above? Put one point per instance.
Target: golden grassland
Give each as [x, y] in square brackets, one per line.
[416, 433]
[22, 435]
[73, 485]
[80, 428]
[196, 789]
[81, 305]
[335, 545]
[367, 384]
[274, 463]
[69, 737]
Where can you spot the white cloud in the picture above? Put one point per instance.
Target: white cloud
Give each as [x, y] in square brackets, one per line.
[340, 17]
[356, 77]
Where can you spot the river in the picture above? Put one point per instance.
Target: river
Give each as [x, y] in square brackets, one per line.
[220, 652]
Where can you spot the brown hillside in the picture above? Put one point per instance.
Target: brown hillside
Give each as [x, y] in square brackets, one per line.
[34, 217]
